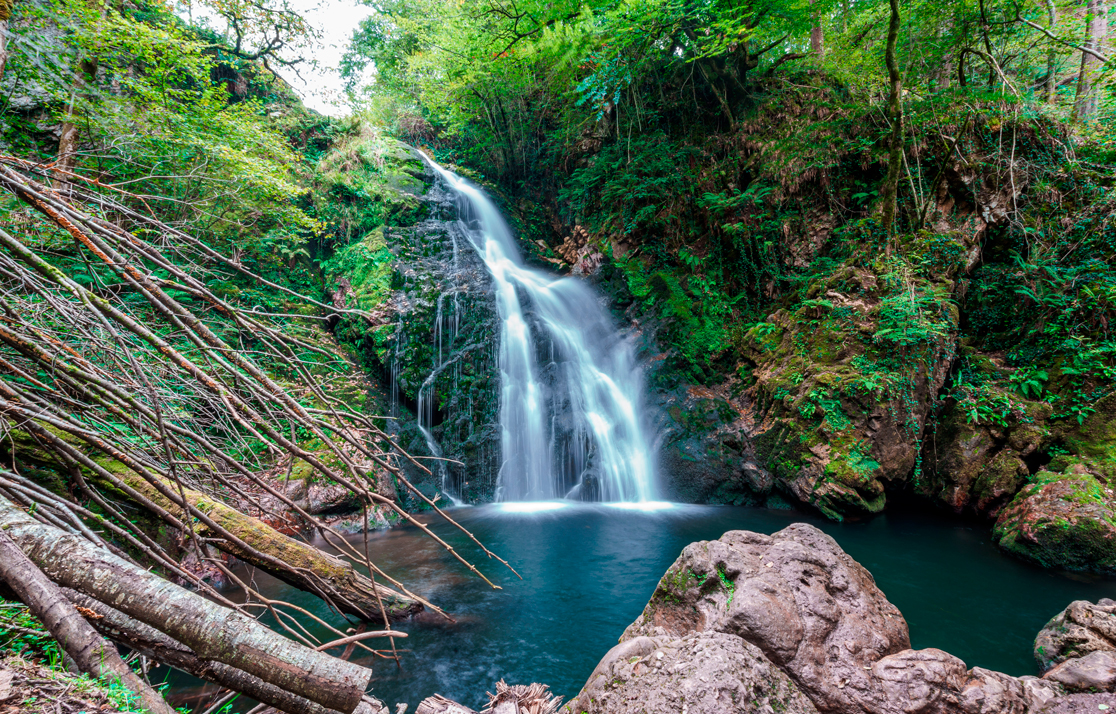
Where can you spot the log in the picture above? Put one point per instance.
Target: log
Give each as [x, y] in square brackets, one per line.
[153, 644]
[438, 704]
[212, 631]
[81, 642]
[354, 594]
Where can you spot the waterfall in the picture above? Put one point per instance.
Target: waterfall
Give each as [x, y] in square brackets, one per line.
[571, 409]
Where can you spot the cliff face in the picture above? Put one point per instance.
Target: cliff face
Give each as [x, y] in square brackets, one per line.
[429, 332]
[795, 353]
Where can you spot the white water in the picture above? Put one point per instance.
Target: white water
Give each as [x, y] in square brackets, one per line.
[571, 408]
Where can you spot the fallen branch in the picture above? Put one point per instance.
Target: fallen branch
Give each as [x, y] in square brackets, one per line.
[77, 638]
[211, 631]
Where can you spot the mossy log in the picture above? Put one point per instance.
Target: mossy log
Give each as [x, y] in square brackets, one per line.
[213, 632]
[295, 562]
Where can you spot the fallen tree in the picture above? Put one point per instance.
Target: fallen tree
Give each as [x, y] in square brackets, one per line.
[155, 645]
[295, 562]
[77, 638]
[211, 631]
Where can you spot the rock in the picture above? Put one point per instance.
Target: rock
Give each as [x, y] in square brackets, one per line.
[331, 498]
[1094, 672]
[795, 595]
[832, 424]
[789, 622]
[1078, 630]
[700, 673]
[931, 680]
[1065, 520]
[1080, 704]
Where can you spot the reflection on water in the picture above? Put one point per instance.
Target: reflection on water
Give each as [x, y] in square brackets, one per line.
[588, 570]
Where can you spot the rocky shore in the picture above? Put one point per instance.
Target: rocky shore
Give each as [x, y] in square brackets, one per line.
[790, 624]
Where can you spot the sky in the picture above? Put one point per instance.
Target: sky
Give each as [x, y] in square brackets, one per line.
[318, 80]
[320, 84]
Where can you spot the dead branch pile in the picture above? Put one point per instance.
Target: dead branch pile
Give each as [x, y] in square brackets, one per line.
[136, 382]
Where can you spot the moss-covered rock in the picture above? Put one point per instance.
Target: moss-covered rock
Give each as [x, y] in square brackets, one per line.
[1062, 519]
[844, 381]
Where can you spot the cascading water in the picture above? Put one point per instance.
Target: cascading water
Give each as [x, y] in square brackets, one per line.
[571, 412]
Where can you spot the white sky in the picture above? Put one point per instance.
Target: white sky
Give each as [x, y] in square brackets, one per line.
[320, 85]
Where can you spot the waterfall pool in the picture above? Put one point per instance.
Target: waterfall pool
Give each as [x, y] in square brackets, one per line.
[588, 571]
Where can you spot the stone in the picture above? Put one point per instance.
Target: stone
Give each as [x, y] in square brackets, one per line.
[1080, 704]
[1095, 672]
[699, 673]
[810, 608]
[1065, 520]
[1081, 628]
[788, 622]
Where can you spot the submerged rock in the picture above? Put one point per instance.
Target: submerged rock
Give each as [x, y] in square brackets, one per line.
[1078, 630]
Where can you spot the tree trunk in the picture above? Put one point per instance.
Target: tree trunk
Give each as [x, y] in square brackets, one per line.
[81, 642]
[817, 36]
[1085, 101]
[890, 191]
[213, 632]
[438, 704]
[1050, 87]
[310, 569]
[153, 644]
[68, 138]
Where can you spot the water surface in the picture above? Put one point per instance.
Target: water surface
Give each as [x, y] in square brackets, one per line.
[588, 571]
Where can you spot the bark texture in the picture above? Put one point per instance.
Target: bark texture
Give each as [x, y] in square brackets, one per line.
[353, 593]
[89, 650]
[1085, 101]
[213, 632]
[890, 191]
[155, 645]
[294, 562]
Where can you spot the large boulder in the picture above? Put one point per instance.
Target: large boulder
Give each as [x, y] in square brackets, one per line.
[1080, 704]
[779, 620]
[810, 608]
[700, 673]
[1095, 672]
[1065, 520]
[1080, 629]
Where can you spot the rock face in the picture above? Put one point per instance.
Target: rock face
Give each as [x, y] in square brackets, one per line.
[1080, 629]
[1064, 520]
[790, 623]
[430, 324]
[701, 673]
[795, 595]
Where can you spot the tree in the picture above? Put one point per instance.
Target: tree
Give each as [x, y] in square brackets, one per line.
[890, 190]
[1096, 24]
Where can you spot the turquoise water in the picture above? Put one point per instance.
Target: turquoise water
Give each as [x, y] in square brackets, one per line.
[588, 571]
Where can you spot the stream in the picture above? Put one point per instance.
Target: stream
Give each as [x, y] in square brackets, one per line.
[588, 571]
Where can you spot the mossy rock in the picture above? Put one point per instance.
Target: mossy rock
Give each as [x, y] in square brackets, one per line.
[1062, 520]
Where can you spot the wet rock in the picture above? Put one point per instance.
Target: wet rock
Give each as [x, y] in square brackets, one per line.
[1065, 520]
[1095, 672]
[835, 422]
[700, 673]
[810, 608]
[1080, 629]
